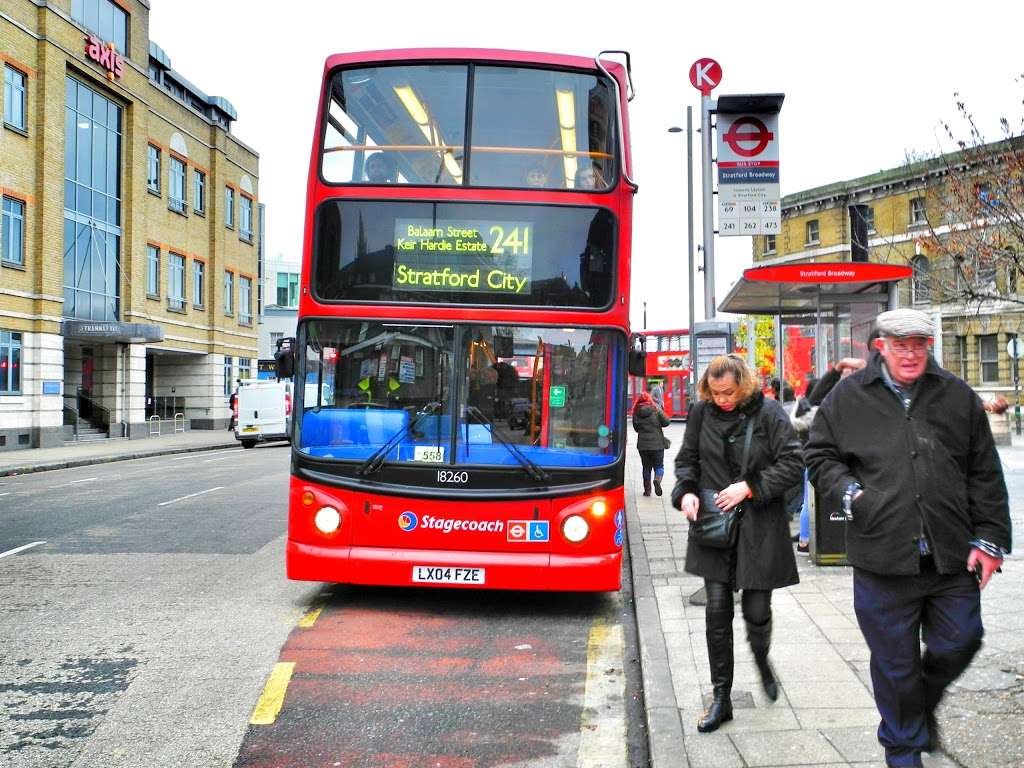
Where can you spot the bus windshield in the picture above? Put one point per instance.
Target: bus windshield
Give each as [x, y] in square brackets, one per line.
[407, 124]
[464, 253]
[460, 394]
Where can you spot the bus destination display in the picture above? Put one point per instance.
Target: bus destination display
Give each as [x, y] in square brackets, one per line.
[449, 254]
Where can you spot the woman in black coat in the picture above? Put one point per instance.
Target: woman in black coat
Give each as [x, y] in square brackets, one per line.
[762, 559]
[648, 421]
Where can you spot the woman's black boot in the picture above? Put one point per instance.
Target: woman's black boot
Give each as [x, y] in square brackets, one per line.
[760, 637]
[719, 638]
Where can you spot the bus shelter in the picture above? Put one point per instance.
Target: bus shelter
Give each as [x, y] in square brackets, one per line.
[824, 312]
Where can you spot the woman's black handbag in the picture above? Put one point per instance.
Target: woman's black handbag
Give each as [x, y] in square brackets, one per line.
[713, 527]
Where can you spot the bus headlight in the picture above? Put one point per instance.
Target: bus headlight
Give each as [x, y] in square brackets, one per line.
[575, 528]
[327, 519]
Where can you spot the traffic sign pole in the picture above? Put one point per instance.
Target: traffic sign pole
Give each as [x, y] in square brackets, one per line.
[691, 384]
[707, 106]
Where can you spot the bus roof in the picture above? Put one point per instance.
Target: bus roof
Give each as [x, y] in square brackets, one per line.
[469, 54]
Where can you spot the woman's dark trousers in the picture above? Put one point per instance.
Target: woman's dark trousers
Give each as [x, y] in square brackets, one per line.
[653, 463]
[757, 612]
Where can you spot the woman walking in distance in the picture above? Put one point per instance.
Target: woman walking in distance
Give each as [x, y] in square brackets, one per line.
[648, 421]
[761, 559]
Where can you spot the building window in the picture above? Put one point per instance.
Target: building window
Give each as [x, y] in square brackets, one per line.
[14, 97]
[229, 207]
[920, 290]
[988, 355]
[986, 272]
[198, 191]
[275, 337]
[12, 249]
[10, 363]
[917, 214]
[152, 169]
[287, 289]
[961, 348]
[175, 281]
[812, 232]
[245, 218]
[92, 204]
[152, 271]
[245, 299]
[227, 376]
[244, 368]
[105, 19]
[769, 243]
[229, 293]
[198, 277]
[176, 186]
[869, 217]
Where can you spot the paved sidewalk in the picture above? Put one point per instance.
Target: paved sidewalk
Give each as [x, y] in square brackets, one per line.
[825, 714]
[103, 451]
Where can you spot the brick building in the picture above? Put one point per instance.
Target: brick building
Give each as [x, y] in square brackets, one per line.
[129, 266]
[906, 209]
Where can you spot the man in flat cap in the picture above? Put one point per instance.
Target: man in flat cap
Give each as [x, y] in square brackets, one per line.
[904, 448]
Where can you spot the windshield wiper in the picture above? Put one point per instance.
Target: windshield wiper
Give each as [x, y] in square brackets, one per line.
[376, 460]
[532, 469]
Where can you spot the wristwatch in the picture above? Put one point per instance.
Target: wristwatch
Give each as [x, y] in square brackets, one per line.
[851, 490]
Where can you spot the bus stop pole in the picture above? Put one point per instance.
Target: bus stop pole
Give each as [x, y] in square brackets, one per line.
[691, 385]
[707, 105]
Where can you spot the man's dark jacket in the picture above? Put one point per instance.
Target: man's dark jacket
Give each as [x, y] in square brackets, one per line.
[933, 468]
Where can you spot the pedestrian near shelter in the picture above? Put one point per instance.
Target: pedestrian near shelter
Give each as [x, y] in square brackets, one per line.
[839, 301]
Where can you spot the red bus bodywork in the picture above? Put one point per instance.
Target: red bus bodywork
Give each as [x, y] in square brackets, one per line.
[386, 531]
[668, 364]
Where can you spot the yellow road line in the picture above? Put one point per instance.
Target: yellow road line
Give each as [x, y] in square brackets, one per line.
[603, 723]
[310, 618]
[272, 699]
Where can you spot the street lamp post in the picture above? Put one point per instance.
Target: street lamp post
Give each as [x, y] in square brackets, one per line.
[689, 245]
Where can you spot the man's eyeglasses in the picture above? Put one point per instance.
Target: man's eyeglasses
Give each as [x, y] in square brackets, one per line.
[908, 347]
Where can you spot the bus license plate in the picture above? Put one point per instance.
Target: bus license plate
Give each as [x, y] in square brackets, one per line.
[446, 574]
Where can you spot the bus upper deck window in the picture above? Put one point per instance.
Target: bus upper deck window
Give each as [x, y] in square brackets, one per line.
[535, 128]
[402, 124]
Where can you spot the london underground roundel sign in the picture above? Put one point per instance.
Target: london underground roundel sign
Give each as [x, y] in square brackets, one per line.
[705, 74]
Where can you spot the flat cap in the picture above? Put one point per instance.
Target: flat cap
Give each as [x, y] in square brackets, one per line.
[904, 322]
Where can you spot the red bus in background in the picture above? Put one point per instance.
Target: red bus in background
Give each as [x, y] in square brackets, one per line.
[668, 365]
[463, 323]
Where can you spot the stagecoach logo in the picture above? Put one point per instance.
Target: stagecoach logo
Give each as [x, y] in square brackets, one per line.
[408, 521]
[104, 55]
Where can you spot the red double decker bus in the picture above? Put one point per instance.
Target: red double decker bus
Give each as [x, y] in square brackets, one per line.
[462, 343]
[668, 367]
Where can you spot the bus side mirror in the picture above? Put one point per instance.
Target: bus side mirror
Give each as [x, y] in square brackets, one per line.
[284, 358]
[637, 362]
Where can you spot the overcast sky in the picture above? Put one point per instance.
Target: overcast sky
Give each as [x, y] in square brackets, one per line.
[865, 83]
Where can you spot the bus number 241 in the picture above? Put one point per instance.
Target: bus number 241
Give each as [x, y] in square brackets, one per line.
[516, 239]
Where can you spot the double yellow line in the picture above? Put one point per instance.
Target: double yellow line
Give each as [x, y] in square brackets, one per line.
[268, 707]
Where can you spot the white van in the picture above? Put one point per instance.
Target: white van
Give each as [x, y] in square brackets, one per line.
[263, 411]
